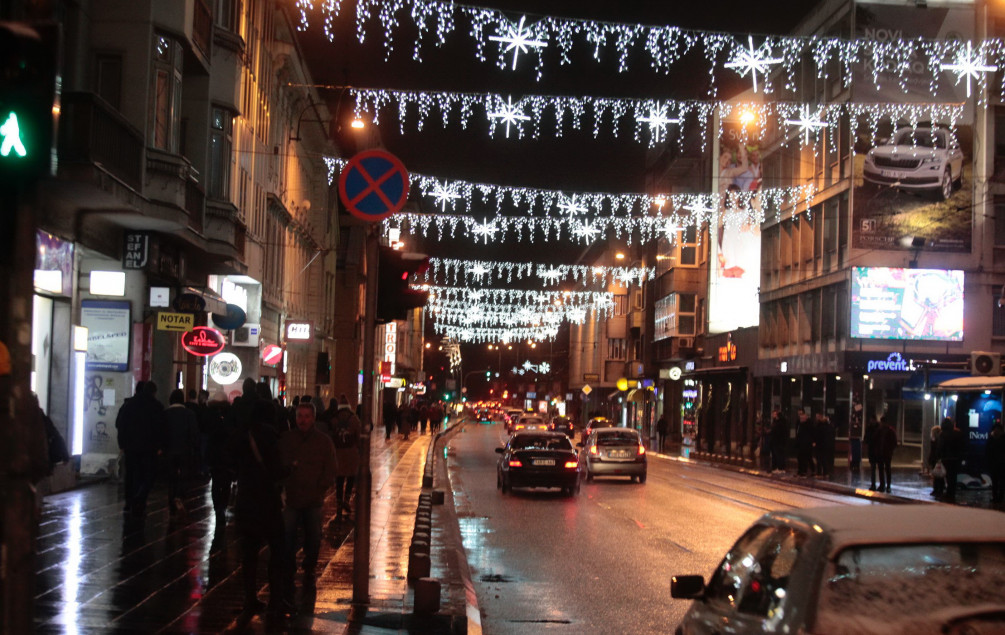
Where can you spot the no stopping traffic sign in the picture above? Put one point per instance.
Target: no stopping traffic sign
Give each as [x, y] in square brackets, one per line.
[373, 185]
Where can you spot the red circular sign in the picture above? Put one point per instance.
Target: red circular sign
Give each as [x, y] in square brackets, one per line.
[272, 354]
[373, 185]
[203, 341]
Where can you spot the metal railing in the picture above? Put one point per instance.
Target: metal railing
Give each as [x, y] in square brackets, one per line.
[91, 131]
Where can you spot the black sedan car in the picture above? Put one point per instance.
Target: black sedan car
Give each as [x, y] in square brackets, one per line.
[538, 459]
[563, 425]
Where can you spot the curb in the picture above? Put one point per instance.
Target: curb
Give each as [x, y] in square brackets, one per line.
[834, 488]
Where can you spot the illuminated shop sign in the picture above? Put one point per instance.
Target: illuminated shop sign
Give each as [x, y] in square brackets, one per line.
[298, 330]
[225, 369]
[894, 363]
[727, 353]
[390, 345]
[203, 341]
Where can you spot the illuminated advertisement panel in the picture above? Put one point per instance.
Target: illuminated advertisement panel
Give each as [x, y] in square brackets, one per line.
[907, 304]
[735, 275]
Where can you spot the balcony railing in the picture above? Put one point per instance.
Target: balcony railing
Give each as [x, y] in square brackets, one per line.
[91, 131]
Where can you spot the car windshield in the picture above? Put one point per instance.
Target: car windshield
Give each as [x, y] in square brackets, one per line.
[896, 588]
[921, 138]
[617, 438]
[540, 443]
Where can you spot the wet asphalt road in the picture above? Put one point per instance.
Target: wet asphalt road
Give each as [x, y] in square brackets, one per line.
[601, 562]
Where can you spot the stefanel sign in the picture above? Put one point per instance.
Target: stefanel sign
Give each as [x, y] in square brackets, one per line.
[203, 341]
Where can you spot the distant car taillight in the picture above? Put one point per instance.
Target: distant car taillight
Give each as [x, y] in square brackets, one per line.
[593, 450]
[571, 464]
[515, 463]
[642, 449]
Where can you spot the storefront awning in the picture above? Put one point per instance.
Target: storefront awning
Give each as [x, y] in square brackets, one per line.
[971, 384]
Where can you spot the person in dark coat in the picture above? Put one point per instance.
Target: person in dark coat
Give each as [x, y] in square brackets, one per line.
[951, 454]
[406, 420]
[346, 431]
[823, 445]
[779, 441]
[872, 448]
[423, 418]
[886, 438]
[390, 418]
[435, 417]
[222, 467]
[180, 446]
[258, 509]
[140, 423]
[934, 446]
[804, 443]
[661, 433]
[996, 461]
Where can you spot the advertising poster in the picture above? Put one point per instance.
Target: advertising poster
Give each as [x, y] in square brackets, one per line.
[913, 185]
[907, 304]
[108, 333]
[735, 275]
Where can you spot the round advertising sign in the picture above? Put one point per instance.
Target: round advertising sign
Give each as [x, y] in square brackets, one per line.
[225, 369]
[272, 354]
[233, 319]
[203, 341]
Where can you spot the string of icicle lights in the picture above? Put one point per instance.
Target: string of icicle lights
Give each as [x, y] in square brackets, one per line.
[449, 271]
[476, 314]
[479, 335]
[439, 293]
[773, 61]
[650, 120]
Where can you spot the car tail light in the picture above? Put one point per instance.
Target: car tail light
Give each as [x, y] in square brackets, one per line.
[520, 426]
[642, 449]
[593, 450]
[515, 463]
[572, 464]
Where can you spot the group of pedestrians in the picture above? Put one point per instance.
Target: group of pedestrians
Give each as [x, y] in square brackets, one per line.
[814, 443]
[284, 463]
[415, 416]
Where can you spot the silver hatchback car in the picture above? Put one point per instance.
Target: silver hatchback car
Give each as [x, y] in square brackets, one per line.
[862, 570]
[615, 452]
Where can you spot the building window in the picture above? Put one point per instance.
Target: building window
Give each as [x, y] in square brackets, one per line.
[228, 15]
[165, 99]
[689, 247]
[616, 348]
[220, 143]
[108, 78]
[620, 304]
[997, 318]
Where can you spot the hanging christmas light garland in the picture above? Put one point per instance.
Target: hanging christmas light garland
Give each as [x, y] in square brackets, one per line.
[775, 58]
[606, 114]
[532, 299]
[655, 215]
[467, 272]
[477, 315]
[480, 335]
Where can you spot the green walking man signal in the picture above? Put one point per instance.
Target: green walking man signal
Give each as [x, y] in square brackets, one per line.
[11, 134]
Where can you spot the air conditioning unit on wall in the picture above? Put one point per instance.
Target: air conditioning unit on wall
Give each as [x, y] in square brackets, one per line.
[685, 342]
[985, 363]
[246, 335]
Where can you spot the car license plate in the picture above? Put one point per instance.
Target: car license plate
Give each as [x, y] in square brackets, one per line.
[618, 454]
[543, 461]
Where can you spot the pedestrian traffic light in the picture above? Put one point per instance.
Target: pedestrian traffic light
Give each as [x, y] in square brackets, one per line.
[394, 297]
[29, 100]
[488, 374]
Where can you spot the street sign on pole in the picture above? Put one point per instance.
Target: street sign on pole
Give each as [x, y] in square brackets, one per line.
[373, 185]
[587, 389]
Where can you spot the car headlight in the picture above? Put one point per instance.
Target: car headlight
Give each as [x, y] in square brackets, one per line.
[930, 161]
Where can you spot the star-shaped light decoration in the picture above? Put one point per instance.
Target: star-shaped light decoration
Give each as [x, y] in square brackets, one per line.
[752, 61]
[701, 211]
[510, 114]
[486, 230]
[807, 123]
[544, 368]
[444, 195]
[658, 122]
[550, 275]
[587, 231]
[518, 39]
[570, 206]
[478, 270]
[528, 366]
[968, 64]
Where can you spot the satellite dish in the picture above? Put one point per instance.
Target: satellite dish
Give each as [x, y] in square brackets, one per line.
[234, 319]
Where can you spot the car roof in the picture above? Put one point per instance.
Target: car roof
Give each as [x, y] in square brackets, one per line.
[897, 524]
[539, 433]
[612, 429]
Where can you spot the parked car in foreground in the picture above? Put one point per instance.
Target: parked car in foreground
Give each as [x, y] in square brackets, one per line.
[922, 158]
[538, 459]
[840, 570]
[615, 452]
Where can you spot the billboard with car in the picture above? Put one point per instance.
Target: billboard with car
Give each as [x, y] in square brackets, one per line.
[913, 183]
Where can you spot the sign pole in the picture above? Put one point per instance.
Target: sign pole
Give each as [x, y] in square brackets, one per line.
[361, 543]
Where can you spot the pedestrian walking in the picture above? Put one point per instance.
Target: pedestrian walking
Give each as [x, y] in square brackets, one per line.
[823, 445]
[258, 509]
[390, 418]
[406, 420]
[937, 469]
[779, 435]
[423, 418]
[872, 448]
[180, 445]
[222, 463]
[995, 454]
[309, 456]
[951, 455]
[346, 431]
[139, 423]
[435, 417]
[804, 444]
[661, 432]
[886, 438]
